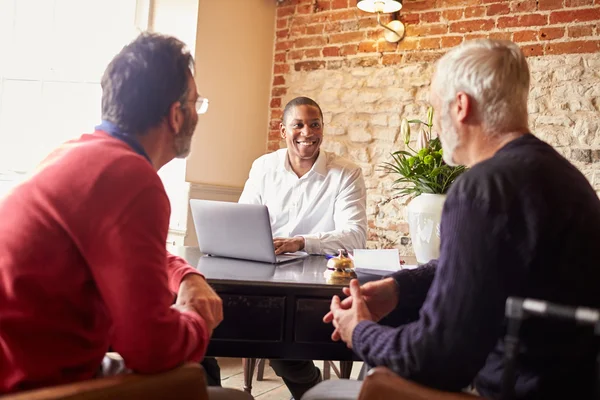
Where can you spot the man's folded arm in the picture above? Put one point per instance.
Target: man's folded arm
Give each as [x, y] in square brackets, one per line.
[463, 313]
[350, 217]
[128, 260]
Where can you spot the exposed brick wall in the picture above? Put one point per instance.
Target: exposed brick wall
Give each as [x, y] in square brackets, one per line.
[335, 53]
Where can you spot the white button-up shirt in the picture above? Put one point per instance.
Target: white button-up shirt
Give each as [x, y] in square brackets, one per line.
[326, 206]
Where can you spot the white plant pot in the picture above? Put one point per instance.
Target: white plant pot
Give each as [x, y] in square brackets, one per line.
[424, 214]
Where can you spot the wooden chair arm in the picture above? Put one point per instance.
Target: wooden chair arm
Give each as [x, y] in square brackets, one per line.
[383, 384]
[184, 383]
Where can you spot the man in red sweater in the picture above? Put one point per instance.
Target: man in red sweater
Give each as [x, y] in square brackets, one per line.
[83, 260]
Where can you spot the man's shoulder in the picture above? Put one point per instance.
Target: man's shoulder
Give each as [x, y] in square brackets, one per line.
[339, 163]
[270, 160]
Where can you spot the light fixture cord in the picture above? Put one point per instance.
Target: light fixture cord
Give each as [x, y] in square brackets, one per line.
[385, 26]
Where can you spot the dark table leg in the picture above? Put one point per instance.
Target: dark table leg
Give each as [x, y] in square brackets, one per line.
[249, 364]
[345, 369]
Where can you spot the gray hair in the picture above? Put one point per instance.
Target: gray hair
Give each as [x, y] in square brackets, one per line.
[495, 75]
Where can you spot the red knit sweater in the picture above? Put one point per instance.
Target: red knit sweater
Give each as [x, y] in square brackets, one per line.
[83, 266]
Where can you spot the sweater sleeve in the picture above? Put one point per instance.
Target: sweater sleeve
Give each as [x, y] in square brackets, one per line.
[178, 268]
[462, 316]
[128, 260]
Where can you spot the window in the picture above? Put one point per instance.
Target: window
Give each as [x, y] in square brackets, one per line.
[53, 55]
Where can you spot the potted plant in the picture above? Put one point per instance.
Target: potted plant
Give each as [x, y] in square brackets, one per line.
[423, 174]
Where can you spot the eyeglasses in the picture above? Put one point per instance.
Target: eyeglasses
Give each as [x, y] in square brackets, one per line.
[201, 105]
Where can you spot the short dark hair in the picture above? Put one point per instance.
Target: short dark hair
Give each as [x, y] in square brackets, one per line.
[299, 101]
[144, 80]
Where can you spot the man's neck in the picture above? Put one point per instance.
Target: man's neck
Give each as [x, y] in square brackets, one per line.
[486, 146]
[300, 166]
[153, 142]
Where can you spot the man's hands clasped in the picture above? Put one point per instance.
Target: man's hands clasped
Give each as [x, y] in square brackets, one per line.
[371, 302]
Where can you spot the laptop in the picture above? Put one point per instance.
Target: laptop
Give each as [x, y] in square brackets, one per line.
[234, 230]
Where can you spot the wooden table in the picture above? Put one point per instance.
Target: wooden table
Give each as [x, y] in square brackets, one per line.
[272, 311]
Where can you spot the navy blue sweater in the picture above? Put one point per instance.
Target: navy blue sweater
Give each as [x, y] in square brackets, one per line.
[524, 223]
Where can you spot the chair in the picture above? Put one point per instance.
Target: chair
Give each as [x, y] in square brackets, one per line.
[383, 384]
[250, 364]
[184, 383]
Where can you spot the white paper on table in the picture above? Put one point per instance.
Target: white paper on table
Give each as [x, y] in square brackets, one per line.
[385, 260]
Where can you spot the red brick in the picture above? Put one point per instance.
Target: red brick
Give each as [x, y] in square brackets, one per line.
[309, 65]
[498, 9]
[410, 18]
[278, 80]
[333, 27]
[295, 54]
[523, 6]
[272, 146]
[408, 44]
[456, 3]
[282, 33]
[500, 35]
[473, 36]
[331, 51]
[452, 15]
[275, 134]
[522, 20]
[490, 1]
[281, 68]
[551, 33]
[471, 26]
[281, 91]
[285, 11]
[346, 37]
[525, 36]
[533, 50]
[343, 15]
[559, 17]
[426, 30]
[313, 41]
[277, 114]
[550, 4]
[282, 23]
[348, 50]
[298, 30]
[305, 9]
[367, 46]
[474, 12]
[391, 59]
[279, 57]
[451, 41]
[429, 43]
[315, 29]
[336, 4]
[422, 56]
[276, 102]
[582, 46]
[282, 45]
[383, 46]
[581, 31]
[433, 16]
[323, 5]
[578, 3]
[312, 53]
[418, 5]
[274, 124]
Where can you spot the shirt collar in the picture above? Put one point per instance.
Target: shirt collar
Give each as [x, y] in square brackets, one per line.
[320, 165]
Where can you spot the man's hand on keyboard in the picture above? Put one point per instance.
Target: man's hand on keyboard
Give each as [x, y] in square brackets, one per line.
[288, 245]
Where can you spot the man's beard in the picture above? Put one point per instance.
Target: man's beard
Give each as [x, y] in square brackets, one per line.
[449, 139]
[183, 140]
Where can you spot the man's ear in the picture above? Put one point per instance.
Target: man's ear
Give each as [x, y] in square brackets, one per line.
[175, 118]
[282, 130]
[463, 106]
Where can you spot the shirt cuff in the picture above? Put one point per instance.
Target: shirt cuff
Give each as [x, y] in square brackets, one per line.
[312, 245]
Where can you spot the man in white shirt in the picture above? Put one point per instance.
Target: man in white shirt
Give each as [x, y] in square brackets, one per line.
[316, 202]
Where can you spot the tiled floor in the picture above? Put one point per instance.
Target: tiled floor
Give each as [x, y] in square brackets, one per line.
[272, 387]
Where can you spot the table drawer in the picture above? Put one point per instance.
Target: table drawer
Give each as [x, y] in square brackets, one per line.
[244, 313]
[309, 326]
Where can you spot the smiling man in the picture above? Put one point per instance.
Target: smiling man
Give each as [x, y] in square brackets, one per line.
[316, 201]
